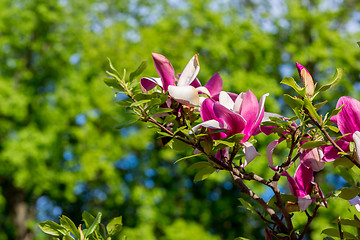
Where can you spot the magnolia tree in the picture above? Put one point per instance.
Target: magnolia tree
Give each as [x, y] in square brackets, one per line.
[221, 127]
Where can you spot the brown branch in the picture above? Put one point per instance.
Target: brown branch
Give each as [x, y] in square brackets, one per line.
[310, 218]
[239, 182]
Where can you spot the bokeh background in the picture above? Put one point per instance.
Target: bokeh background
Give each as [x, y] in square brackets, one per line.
[60, 152]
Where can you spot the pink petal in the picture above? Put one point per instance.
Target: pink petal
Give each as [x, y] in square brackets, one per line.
[311, 158]
[348, 120]
[190, 72]
[215, 84]
[304, 202]
[235, 121]
[186, 95]
[196, 83]
[149, 83]
[250, 154]
[207, 110]
[249, 110]
[331, 153]
[164, 69]
[232, 95]
[303, 178]
[270, 149]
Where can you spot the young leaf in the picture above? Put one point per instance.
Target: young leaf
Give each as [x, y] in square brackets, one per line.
[319, 105]
[188, 157]
[52, 228]
[87, 218]
[335, 80]
[350, 222]
[138, 103]
[308, 105]
[138, 71]
[67, 237]
[115, 226]
[293, 102]
[291, 82]
[94, 225]
[67, 223]
[112, 82]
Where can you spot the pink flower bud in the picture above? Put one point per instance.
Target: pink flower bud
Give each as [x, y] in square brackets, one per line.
[306, 80]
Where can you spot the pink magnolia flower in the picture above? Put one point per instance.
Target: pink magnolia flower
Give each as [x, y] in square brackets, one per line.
[240, 115]
[187, 88]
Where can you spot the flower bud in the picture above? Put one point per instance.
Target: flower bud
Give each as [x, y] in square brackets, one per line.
[306, 80]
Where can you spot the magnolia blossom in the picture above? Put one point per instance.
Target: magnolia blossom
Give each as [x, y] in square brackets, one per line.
[187, 89]
[355, 202]
[242, 114]
[348, 122]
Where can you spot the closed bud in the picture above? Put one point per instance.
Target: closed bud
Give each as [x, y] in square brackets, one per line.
[306, 80]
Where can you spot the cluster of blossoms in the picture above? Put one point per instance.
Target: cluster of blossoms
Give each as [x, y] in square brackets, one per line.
[243, 113]
[221, 126]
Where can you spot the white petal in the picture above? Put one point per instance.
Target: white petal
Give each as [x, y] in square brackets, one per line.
[356, 137]
[267, 116]
[238, 102]
[250, 154]
[213, 124]
[226, 100]
[203, 90]
[304, 202]
[186, 95]
[190, 72]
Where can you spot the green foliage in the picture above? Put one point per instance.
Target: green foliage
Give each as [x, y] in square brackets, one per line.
[94, 230]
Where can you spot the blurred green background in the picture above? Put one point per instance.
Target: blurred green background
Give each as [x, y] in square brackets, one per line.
[60, 152]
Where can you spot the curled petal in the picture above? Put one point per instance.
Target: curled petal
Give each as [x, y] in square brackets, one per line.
[165, 70]
[148, 83]
[190, 72]
[212, 124]
[331, 153]
[250, 154]
[186, 95]
[270, 149]
[203, 90]
[303, 178]
[207, 110]
[348, 118]
[215, 84]
[312, 159]
[304, 202]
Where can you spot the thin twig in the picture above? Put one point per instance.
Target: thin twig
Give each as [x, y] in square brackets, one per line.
[310, 218]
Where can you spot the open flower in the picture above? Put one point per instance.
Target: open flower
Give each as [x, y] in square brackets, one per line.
[187, 89]
[242, 115]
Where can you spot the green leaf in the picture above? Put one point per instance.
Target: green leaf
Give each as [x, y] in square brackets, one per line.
[235, 138]
[333, 128]
[68, 224]
[291, 82]
[313, 144]
[223, 142]
[113, 82]
[188, 157]
[334, 232]
[350, 222]
[87, 218]
[319, 105]
[282, 235]
[130, 122]
[201, 164]
[348, 193]
[94, 225]
[335, 80]
[178, 145]
[308, 105]
[138, 103]
[293, 102]
[241, 238]
[52, 228]
[285, 198]
[138, 71]
[203, 174]
[115, 226]
[112, 67]
[336, 111]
